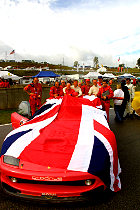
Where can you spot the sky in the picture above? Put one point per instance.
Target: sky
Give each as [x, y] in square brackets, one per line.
[60, 31]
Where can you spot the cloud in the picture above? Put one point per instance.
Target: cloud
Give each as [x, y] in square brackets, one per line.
[76, 29]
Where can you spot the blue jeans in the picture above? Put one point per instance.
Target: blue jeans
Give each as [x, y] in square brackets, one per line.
[117, 109]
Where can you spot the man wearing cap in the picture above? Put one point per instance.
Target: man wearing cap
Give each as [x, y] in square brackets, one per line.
[131, 89]
[94, 89]
[105, 94]
[100, 81]
[85, 88]
[76, 88]
[56, 91]
[34, 91]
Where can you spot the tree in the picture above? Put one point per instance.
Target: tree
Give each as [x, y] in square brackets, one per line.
[122, 65]
[95, 60]
[76, 63]
[138, 62]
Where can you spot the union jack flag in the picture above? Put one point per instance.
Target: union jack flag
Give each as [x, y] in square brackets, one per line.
[68, 133]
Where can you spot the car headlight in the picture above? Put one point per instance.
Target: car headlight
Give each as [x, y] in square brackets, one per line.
[88, 182]
[11, 160]
[13, 179]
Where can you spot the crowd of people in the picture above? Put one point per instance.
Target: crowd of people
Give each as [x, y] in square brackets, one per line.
[100, 88]
[4, 83]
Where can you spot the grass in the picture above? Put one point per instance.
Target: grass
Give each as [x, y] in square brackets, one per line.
[5, 116]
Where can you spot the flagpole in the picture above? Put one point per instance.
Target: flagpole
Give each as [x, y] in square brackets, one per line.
[77, 67]
[119, 63]
[83, 67]
[6, 56]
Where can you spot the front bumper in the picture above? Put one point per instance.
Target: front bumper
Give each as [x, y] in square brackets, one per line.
[51, 184]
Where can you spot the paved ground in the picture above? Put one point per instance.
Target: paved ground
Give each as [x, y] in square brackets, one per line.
[128, 141]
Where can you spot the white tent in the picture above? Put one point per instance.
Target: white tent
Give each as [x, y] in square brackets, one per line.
[7, 67]
[109, 75]
[92, 75]
[102, 69]
[126, 75]
[73, 76]
[8, 75]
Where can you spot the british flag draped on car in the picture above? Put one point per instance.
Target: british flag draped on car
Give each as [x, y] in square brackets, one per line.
[68, 134]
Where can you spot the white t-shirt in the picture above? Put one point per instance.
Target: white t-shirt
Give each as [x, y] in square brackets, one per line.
[77, 89]
[118, 93]
[94, 90]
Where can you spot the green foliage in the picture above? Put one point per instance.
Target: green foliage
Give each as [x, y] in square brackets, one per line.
[96, 61]
[138, 62]
[76, 63]
[121, 65]
[32, 64]
[22, 73]
[5, 116]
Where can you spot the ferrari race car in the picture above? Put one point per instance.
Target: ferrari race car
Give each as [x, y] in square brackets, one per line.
[64, 152]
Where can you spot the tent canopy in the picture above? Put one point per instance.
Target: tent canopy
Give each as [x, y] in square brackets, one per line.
[8, 75]
[102, 69]
[46, 74]
[73, 76]
[126, 76]
[109, 75]
[92, 75]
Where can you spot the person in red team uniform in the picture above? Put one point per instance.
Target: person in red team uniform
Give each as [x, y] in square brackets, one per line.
[56, 91]
[69, 91]
[1, 83]
[34, 91]
[6, 84]
[85, 88]
[111, 82]
[100, 81]
[105, 94]
[80, 85]
[62, 84]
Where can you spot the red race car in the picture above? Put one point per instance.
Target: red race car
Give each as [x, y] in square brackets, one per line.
[64, 152]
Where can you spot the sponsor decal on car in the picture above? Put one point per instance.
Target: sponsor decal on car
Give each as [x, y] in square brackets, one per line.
[49, 195]
[46, 178]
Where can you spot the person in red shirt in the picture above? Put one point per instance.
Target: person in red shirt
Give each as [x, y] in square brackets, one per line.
[110, 82]
[80, 84]
[85, 88]
[34, 91]
[105, 94]
[56, 91]
[100, 81]
[62, 84]
[6, 84]
[1, 83]
[69, 91]
[134, 82]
